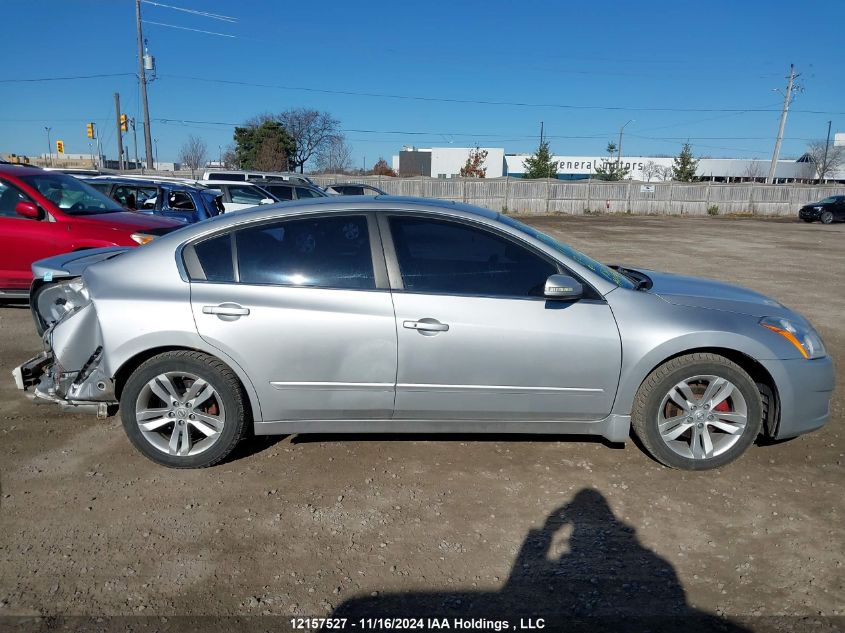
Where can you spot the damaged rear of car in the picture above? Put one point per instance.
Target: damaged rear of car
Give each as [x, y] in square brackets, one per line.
[70, 371]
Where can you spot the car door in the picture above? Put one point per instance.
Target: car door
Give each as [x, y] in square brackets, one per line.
[304, 307]
[24, 240]
[476, 338]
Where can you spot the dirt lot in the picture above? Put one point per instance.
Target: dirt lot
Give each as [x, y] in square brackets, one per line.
[301, 525]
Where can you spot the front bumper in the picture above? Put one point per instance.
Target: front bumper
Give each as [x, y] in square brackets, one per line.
[805, 388]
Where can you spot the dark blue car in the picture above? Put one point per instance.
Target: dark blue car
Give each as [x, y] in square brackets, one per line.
[167, 198]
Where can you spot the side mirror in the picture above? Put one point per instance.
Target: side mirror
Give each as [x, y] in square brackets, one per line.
[266, 201]
[28, 210]
[563, 287]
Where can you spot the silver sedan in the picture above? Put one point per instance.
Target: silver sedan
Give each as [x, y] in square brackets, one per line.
[404, 315]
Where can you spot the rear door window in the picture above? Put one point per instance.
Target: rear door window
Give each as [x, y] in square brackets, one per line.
[245, 195]
[328, 252]
[215, 259]
[305, 192]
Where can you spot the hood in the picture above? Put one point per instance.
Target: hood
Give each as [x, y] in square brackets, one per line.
[131, 221]
[698, 292]
[72, 264]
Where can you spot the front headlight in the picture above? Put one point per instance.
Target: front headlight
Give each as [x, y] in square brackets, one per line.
[142, 238]
[803, 337]
[818, 208]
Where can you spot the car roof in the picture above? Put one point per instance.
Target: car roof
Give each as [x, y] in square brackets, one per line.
[122, 180]
[13, 169]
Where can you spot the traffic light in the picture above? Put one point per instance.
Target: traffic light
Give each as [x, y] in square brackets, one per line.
[90, 129]
[60, 147]
[124, 123]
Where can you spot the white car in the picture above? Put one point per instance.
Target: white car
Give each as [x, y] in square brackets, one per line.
[240, 195]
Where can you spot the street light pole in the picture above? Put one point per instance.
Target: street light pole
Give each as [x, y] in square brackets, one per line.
[49, 146]
[156, 143]
[824, 162]
[142, 78]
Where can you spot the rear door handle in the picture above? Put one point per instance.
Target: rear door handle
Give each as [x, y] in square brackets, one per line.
[426, 325]
[226, 309]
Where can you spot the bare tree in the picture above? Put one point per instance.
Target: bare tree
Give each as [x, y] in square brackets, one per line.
[664, 173]
[311, 130]
[335, 157]
[230, 158]
[825, 162]
[754, 171]
[651, 170]
[193, 153]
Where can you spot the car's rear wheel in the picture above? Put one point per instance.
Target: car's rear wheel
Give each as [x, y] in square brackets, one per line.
[184, 409]
[697, 411]
[826, 217]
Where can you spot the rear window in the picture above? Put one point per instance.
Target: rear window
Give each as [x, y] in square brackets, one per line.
[222, 175]
[215, 258]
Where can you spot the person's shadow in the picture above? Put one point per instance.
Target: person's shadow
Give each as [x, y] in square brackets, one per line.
[603, 580]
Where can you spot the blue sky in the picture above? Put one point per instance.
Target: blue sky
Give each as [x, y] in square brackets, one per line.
[636, 56]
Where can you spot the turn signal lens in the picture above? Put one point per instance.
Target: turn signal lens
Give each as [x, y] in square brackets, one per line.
[142, 238]
[803, 337]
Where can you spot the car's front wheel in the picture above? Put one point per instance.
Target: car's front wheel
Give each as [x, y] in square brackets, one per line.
[697, 411]
[826, 217]
[184, 409]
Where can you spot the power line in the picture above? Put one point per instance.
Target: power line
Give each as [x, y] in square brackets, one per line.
[39, 79]
[520, 104]
[185, 28]
[204, 14]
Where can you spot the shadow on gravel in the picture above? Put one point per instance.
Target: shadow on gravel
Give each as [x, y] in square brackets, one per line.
[603, 580]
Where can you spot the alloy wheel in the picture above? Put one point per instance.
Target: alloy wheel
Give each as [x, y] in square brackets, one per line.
[702, 417]
[179, 413]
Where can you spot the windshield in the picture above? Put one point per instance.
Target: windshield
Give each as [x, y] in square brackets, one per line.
[72, 196]
[600, 269]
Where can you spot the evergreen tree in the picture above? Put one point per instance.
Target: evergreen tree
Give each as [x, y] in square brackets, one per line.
[684, 165]
[540, 164]
[612, 169]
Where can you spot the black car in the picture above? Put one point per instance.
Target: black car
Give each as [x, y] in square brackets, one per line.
[354, 189]
[826, 211]
[284, 190]
[170, 199]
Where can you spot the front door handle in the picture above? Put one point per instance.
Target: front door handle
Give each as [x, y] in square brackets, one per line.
[426, 325]
[226, 310]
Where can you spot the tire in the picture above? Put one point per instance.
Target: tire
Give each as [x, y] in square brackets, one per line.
[198, 430]
[727, 424]
[826, 217]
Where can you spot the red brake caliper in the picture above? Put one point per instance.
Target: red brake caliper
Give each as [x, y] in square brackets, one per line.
[722, 406]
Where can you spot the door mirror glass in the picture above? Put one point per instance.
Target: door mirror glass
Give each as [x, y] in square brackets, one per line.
[563, 287]
[28, 210]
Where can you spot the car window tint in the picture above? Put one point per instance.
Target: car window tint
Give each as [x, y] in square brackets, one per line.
[9, 198]
[282, 193]
[245, 195]
[452, 258]
[331, 252]
[304, 192]
[353, 191]
[215, 257]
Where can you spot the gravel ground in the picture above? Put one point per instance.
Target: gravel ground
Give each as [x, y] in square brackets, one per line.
[312, 524]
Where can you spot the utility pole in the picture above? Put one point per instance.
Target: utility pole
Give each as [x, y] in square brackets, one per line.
[619, 149]
[156, 144]
[541, 132]
[786, 101]
[119, 131]
[49, 146]
[824, 162]
[135, 138]
[142, 78]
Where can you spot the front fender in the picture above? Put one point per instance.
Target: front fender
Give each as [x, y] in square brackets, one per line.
[653, 331]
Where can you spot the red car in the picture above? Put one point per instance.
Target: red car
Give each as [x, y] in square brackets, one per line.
[46, 213]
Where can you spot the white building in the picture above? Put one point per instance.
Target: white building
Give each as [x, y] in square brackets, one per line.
[446, 162]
